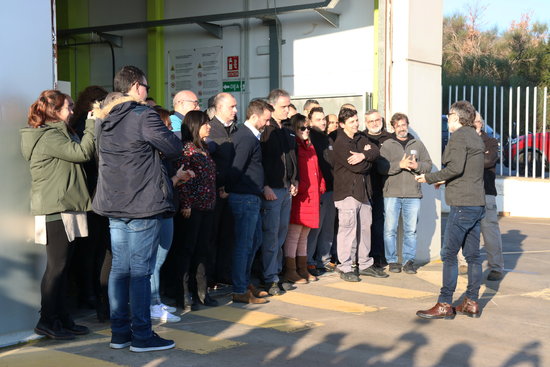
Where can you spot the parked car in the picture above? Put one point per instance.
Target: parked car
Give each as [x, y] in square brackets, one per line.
[517, 147]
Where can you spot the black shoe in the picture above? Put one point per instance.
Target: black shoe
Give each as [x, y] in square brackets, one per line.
[495, 275]
[120, 341]
[69, 325]
[372, 271]
[209, 301]
[54, 331]
[155, 342]
[274, 289]
[395, 268]
[350, 277]
[409, 267]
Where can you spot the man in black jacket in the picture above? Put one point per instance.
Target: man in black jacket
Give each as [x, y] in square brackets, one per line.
[134, 191]
[220, 144]
[281, 182]
[353, 157]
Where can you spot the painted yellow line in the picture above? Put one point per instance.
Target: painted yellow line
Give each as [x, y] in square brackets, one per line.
[435, 278]
[256, 319]
[544, 294]
[380, 290]
[41, 357]
[325, 303]
[526, 252]
[192, 342]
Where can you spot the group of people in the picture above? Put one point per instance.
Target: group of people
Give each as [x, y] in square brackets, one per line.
[190, 199]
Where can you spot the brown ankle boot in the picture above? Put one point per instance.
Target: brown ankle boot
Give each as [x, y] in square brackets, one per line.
[301, 264]
[469, 308]
[290, 274]
[248, 297]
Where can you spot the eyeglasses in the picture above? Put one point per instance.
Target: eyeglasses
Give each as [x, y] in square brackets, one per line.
[145, 86]
[195, 102]
[372, 121]
[304, 128]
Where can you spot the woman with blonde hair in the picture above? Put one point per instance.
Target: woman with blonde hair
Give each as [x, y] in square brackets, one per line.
[59, 201]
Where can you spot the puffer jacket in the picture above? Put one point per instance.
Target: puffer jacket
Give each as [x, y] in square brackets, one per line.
[132, 181]
[306, 204]
[58, 178]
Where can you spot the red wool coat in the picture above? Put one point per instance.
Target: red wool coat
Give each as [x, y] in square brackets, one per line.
[305, 205]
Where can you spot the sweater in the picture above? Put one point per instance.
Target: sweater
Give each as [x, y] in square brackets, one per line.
[279, 156]
[246, 174]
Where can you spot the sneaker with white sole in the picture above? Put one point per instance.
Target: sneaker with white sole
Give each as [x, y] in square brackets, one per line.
[168, 308]
[152, 344]
[158, 313]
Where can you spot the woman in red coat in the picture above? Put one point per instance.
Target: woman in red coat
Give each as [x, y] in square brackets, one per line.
[304, 214]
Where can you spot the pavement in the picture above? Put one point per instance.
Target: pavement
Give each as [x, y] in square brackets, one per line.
[332, 322]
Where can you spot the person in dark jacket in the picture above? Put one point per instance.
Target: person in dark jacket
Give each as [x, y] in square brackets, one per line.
[319, 241]
[245, 185]
[134, 192]
[463, 177]
[378, 135]
[353, 157]
[220, 145]
[281, 183]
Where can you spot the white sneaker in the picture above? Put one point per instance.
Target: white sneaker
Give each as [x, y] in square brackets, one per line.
[158, 313]
[168, 308]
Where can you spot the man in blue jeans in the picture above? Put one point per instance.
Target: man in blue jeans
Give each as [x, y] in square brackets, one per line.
[134, 192]
[463, 176]
[401, 158]
[245, 185]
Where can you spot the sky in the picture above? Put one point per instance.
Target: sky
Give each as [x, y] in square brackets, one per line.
[501, 13]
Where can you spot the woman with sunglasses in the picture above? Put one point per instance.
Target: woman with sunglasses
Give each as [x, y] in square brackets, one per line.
[304, 213]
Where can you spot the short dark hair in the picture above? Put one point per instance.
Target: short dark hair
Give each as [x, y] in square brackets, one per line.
[370, 112]
[398, 117]
[313, 110]
[296, 121]
[126, 77]
[275, 94]
[191, 126]
[257, 107]
[309, 102]
[465, 111]
[345, 113]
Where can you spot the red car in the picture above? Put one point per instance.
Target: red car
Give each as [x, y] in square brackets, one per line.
[541, 144]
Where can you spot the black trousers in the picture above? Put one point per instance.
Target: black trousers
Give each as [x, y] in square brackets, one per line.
[377, 251]
[53, 288]
[221, 243]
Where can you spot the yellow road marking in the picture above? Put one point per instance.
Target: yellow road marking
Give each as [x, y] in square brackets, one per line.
[41, 357]
[544, 294]
[192, 342]
[325, 303]
[435, 278]
[256, 319]
[380, 290]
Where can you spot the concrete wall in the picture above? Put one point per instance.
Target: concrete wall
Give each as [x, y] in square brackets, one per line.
[27, 69]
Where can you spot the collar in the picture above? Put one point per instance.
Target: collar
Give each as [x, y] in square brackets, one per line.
[226, 124]
[179, 115]
[255, 131]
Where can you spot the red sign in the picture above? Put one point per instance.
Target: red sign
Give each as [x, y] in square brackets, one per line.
[233, 66]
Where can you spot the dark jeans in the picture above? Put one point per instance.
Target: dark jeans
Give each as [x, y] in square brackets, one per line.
[377, 249]
[248, 237]
[462, 230]
[194, 254]
[218, 264]
[53, 288]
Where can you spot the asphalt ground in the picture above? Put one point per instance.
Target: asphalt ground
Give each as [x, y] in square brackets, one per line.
[332, 322]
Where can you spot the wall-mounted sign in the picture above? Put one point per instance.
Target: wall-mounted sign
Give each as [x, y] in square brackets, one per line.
[233, 66]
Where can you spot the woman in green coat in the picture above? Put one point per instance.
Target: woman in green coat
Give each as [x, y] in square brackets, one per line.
[59, 201]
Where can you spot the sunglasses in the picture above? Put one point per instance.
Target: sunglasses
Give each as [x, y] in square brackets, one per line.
[304, 128]
[145, 86]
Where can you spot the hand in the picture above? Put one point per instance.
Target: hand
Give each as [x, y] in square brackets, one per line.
[356, 158]
[222, 193]
[269, 194]
[437, 185]
[90, 114]
[413, 164]
[183, 175]
[420, 178]
[293, 190]
[405, 162]
[186, 212]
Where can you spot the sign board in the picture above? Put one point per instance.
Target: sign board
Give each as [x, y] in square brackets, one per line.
[232, 66]
[234, 86]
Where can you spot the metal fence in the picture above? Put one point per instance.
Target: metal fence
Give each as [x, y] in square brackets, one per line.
[517, 117]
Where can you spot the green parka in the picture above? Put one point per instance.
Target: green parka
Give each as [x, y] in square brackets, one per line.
[58, 179]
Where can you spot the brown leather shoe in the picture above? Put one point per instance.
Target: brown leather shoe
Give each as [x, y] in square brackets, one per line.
[248, 297]
[469, 308]
[258, 293]
[439, 311]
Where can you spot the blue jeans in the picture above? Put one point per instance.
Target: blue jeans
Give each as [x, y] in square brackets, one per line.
[165, 242]
[134, 244]
[462, 230]
[319, 240]
[408, 208]
[275, 219]
[248, 237]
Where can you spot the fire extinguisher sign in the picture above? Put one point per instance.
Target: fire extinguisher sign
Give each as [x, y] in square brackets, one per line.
[233, 66]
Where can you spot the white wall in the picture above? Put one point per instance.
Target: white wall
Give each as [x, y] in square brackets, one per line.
[27, 69]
